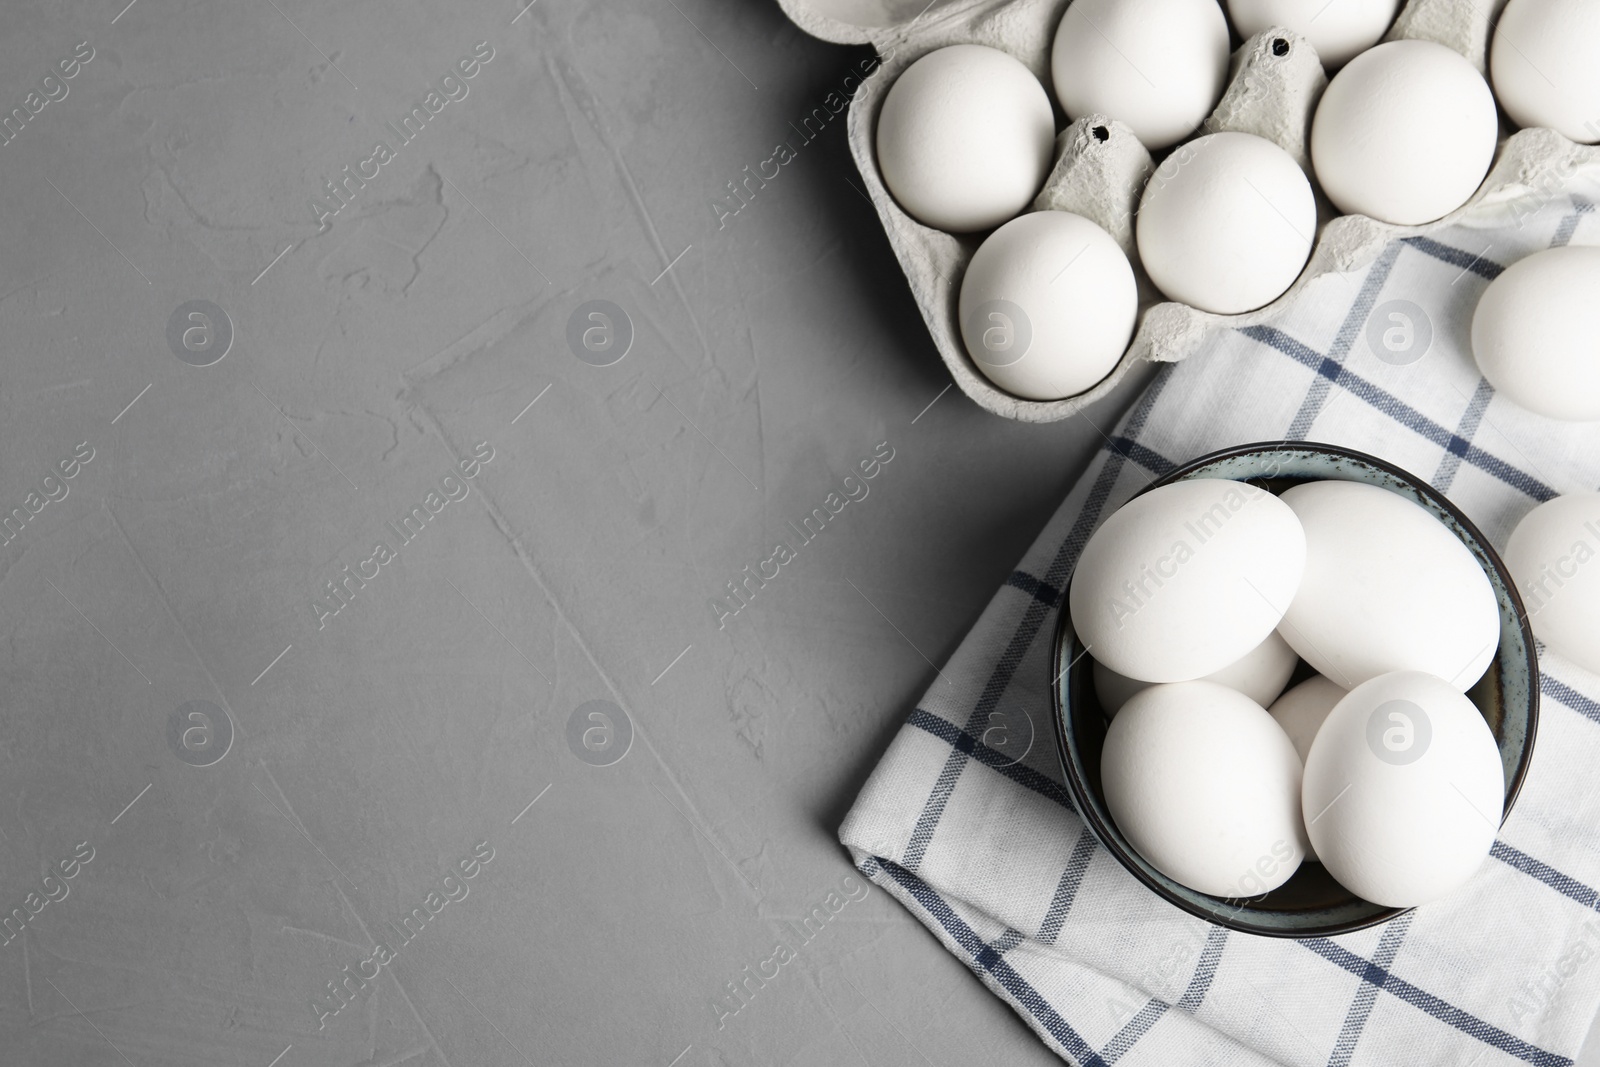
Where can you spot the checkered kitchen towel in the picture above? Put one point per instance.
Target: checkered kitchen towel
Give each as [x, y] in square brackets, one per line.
[986, 850]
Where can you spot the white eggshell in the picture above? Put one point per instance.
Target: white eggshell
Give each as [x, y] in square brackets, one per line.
[965, 138]
[1403, 790]
[1114, 689]
[1260, 675]
[1536, 332]
[1157, 65]
[1387, 587]
[1301, 710]
[1337, 29]
[1544, 65]
[1187, 578]
[1206, 787]
[1404, 133]
[1048, 305]
[1226, 223]
[1554, 558]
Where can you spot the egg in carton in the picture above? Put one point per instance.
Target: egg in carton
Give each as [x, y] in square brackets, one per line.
[1101, 168]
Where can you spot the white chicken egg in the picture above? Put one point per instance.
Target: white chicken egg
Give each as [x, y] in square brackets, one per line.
[1048, 305]
[1543, 65]
[1404, 133]
[1337, 29]
[1403, 790]
[1260, 675]
[1206, 787]
[1536, 333]
[965, 138]
[1387, 587]
[1226, 223]
[1157, 65]
[1301, 710]
[1554, 558]
[1187, 578]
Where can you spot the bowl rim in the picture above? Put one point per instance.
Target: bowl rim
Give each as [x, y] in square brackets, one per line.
[1077, 789]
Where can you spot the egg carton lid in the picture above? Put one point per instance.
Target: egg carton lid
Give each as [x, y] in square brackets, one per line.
[1268, 94]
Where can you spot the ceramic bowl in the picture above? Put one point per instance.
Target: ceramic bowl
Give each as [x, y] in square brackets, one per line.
[1310, 904]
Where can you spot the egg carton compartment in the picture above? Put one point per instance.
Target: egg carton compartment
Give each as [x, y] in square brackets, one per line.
[1100, 168]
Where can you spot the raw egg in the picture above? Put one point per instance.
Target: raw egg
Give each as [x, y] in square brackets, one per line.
[1206, 787]
[965, 138]
[1226, 223]
[1404, 133]
[1187, 578]
[1403, 790]
[1338, 29]
[1387, 587]
[1157, 65]
[1260, 675]
[1544, 65]
[1554, 558]
[1302, 710]
[1048, 305]
[1536, 333]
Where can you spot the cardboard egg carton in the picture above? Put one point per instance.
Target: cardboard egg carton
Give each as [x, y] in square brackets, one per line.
[1100, 170]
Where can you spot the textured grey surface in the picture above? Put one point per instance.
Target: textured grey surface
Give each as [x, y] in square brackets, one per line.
[371, 754]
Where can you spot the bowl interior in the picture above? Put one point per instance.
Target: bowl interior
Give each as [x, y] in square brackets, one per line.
[1311, 903]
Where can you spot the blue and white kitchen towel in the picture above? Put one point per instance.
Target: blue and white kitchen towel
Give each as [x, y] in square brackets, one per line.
[985, 848]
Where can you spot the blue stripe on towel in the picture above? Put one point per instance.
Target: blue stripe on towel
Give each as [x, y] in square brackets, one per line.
[1442, 1010]
[1569, 696]
[1401, 412]
[1484, 268]
[1564, 884]
[997, 968]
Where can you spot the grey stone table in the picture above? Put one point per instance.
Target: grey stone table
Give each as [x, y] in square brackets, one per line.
[369, 510]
